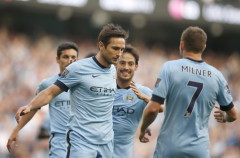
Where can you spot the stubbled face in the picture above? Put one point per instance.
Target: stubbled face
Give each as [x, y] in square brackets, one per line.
[126, 67]
[67, 57]
[113, 50]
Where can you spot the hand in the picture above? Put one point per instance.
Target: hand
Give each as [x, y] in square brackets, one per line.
[220, 116]
[22, 111]
[139, 94]
[12, 141]
[142, 137]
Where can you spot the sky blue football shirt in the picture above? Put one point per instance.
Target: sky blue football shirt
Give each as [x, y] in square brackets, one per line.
[190, 89]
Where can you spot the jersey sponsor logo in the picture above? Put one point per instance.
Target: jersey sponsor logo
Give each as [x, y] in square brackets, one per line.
[62, 103]
[64, 74]
[103, 91]
[122, 111]
[157, 82]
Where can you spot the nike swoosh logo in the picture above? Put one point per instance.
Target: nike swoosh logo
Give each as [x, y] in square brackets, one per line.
[95, 76]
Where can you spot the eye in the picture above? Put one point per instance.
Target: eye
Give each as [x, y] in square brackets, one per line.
[131, 63]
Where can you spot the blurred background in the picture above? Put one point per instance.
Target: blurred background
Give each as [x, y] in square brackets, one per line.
[30, 31]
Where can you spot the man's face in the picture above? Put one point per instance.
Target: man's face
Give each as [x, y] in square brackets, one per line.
[126, 67]
[113, 50]
[67, 57]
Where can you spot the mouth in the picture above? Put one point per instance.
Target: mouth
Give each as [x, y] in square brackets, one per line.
[125, 73]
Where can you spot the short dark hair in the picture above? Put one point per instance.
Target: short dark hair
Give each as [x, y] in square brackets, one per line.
[111, 30]
[65, 46]
[131, 50]
[194, 38]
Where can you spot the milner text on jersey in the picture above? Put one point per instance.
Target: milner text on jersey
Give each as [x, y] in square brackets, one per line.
[195, 71]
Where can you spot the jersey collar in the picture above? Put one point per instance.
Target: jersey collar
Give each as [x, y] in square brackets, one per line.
[199, 61]
[95, 59]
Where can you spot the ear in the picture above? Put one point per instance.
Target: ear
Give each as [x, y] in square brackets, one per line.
[181, 46]
[204, 47]
[57, 59]
[100, 45]
[136, 67]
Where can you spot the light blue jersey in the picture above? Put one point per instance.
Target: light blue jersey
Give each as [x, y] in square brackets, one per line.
[92, 89]
[127, 113]
[59, 109]
[190, 89]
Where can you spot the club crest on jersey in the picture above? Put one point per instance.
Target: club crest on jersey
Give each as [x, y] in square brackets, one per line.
[64, 74]
[130, 97]
[157, 82]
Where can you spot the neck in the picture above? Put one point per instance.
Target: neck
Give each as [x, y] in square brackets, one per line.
[194, 56]
[123, 83]
[101, 60]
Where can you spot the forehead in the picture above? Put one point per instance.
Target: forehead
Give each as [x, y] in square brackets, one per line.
[117, 41]
[70, 52]
[127, 57]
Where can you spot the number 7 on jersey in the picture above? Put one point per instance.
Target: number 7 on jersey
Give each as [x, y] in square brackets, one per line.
[199, 87]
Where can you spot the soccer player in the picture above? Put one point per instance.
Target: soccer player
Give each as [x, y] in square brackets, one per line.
[92, 84]
[59, 107]
[190, 88]
[129, 103]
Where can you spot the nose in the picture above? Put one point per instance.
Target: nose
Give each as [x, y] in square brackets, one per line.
[119, 53]
[125, 67]
[71, 60]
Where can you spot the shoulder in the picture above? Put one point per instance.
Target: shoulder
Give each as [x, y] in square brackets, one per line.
[217, 73]
[47, 82]
[143, 89]
[79, 64]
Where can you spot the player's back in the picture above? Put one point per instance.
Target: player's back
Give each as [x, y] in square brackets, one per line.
[192, 89]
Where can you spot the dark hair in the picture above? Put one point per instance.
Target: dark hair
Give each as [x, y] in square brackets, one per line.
[131, 50]
[65, 46]
[194, 39]
[111, 30]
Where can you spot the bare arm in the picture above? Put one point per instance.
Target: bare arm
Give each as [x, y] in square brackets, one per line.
[149, 115]
[43, 98]
[12, 140]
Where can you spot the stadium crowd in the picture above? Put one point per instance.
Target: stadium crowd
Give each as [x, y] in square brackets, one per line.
[22, 56]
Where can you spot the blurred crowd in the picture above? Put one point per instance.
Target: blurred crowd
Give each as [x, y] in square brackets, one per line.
[25, 61]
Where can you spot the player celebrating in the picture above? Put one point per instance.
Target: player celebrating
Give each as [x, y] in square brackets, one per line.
[59, 107]
[92, 85]
[129, 103]
[190, 87]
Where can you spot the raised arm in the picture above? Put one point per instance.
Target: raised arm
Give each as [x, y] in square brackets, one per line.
[43, 98]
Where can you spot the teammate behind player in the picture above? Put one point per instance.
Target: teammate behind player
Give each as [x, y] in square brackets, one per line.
[129, 103]
[92, 85]
[59, 107]
[190, 87]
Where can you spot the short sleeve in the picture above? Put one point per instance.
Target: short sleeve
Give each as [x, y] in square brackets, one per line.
[69, 78]
[162, 83]
[224, 97]
[41, 87]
